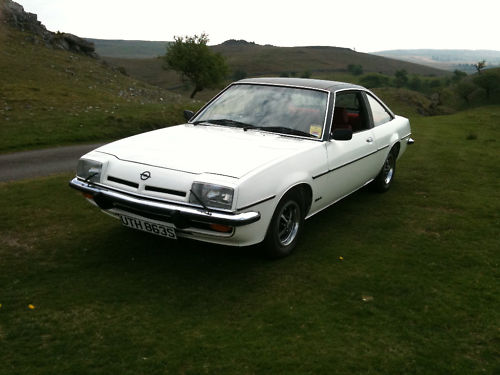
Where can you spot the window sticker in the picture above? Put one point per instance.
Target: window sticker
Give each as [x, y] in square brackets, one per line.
[315, 130]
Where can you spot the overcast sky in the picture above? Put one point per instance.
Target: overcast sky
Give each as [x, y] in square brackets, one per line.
[364, 25]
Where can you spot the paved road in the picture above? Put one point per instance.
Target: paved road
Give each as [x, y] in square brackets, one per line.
[37, 163]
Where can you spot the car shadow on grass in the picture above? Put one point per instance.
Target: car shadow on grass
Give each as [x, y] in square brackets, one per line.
[124, 243]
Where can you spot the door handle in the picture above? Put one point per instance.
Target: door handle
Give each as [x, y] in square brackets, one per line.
[369, 140]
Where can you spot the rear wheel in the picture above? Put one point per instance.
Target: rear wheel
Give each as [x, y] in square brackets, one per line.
[383, 181]
[285, 227]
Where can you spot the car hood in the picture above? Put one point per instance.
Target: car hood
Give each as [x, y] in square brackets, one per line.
[207, 149]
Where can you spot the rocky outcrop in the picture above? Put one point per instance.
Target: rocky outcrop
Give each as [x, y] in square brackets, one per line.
[14, 15]
[239, 42]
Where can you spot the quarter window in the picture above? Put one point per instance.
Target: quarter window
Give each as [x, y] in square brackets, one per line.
[379, 113]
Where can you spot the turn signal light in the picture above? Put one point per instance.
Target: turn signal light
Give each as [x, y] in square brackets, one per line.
[88, 196]
[221, 228]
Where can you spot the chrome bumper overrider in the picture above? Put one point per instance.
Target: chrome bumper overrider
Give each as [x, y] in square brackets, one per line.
[179, 215]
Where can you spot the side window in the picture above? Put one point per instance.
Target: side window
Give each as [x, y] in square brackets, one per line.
[379, 113]
[350, 112]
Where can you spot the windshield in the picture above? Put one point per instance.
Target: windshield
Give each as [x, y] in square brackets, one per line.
[286, 110]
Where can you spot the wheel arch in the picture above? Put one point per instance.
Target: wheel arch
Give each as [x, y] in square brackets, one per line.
[396, 147]
[305, 191]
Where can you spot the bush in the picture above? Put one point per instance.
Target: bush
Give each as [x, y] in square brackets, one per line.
[355, 69]
[415, 83]
[464, 90]
[306, 74]
[458, 75]
[239, 74]
[372, 80]
[489, 82]
[401, 78]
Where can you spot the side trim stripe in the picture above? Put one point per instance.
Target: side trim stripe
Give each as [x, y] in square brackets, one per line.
[256, 203]
[348, 163]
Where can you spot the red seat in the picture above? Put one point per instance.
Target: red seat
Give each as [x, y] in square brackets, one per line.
[341, 118]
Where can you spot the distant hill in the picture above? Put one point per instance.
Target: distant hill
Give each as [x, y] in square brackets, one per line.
[131, 49]
[258, 59]
[252, 60]
[255, 59]
[449, 59]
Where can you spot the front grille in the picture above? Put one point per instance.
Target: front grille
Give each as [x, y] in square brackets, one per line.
[123, 182]
[165, 191]
[147, 187]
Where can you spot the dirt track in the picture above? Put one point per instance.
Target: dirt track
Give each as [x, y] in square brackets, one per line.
[37, 163]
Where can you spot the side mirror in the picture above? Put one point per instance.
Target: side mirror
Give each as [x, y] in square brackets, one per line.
[342, 134]
[188, 115]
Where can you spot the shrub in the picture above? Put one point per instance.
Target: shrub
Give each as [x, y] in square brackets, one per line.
[355, 69]
[306, 74]
[239, 74]
[372, 80]
[401, 78]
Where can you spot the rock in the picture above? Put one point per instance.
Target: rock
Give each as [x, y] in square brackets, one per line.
[14, 15]
[73, 43]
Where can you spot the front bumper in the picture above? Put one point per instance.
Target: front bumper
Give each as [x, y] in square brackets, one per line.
[180, 216]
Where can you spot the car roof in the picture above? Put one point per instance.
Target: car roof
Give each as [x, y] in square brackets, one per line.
[303, 82]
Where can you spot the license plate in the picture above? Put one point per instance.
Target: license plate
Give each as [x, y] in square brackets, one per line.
[149, 226]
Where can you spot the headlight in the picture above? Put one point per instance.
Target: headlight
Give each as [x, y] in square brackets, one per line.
[89, 170]
[214, 196]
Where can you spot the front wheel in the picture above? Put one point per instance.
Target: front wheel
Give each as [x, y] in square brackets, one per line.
[285, 227]
[383, 181]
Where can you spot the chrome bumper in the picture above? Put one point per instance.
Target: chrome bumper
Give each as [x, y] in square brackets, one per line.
[178, 215]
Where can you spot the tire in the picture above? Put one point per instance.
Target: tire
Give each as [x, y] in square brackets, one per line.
[384, 179]
[286, 226]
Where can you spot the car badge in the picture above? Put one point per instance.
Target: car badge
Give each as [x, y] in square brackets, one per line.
[145, 175]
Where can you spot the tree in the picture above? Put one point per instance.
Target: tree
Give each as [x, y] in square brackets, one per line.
[415, 83]
[239, 74]
[479, 66]
[372, 80]
[194, 60]
[458, 75]
[464, 90]
[489, 82]
[401, 78]
[306, 74]
[355, 69]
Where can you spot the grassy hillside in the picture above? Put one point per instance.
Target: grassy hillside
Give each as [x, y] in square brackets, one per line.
[132, 49]
[50, 97]
[264, 60]
[257, 60]
[407, 283]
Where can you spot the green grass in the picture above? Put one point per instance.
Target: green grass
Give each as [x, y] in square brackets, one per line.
[417, 290]
[51, 97]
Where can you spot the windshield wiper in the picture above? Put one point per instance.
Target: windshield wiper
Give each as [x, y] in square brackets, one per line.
[245, 126]
[225, 122]
[284, 130]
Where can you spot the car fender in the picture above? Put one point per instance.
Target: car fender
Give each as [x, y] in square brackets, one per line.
[277, 179]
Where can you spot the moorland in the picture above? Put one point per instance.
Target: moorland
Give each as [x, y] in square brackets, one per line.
[401, 283]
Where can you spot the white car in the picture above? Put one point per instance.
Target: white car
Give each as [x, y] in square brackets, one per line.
[255, 162]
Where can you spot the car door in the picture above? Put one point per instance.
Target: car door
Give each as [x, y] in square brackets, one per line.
[351, 163]
[383, 130]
